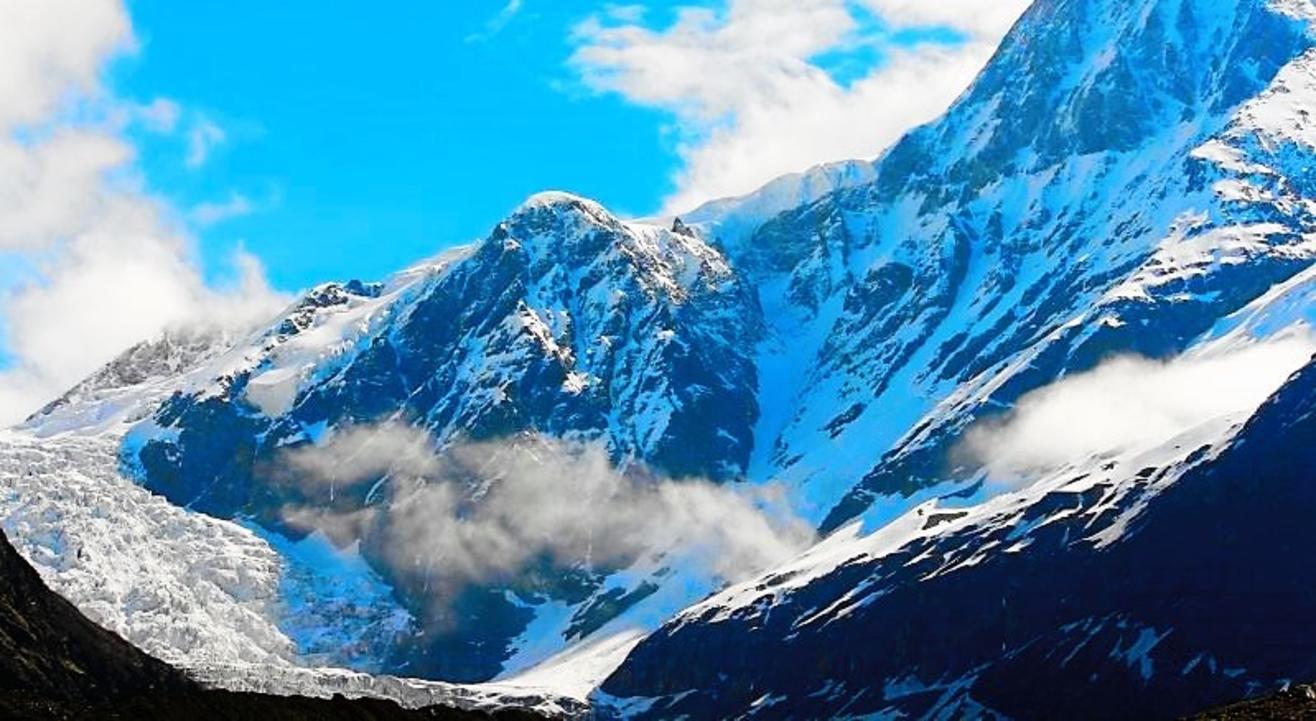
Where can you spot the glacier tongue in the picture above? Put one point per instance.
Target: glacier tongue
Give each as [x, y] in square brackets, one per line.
[238, 608]
[184, 587]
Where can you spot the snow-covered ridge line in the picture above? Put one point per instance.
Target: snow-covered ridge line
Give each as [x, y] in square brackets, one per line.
[1120, 478]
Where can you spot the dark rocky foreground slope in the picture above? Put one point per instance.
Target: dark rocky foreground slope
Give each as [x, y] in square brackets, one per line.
[57, 664]
[1294, 704]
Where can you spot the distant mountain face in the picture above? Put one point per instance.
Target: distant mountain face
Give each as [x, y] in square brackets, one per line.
[1123, 177]
[565, 320]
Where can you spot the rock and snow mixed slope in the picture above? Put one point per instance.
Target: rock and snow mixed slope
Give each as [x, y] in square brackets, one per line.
[241, 400]
[1081, 199]
[56, 663]
[1125, 584]
[237, 609]
[1145, 585]
[565, 322]
[1111, 210]
[1124, 177]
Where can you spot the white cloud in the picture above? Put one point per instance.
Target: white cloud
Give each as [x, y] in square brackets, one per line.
[539, 498]
[210, 213]
[202, 138]
[49, 48]
[104, 294]
[983, 18]
[110, 263]
[57, 187]
[363, 453]
[1130, 403]
[751, 102]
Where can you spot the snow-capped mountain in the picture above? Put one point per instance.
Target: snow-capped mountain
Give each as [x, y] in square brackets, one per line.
[1150, 583]
[1124, 177]
[1083, 198]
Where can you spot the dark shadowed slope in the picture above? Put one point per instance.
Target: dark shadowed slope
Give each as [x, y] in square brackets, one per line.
[1201, 599]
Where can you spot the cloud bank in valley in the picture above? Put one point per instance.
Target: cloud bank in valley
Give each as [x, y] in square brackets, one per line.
[1129, 402]
[485, 512]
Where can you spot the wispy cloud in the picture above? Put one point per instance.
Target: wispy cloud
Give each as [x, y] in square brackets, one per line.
[484, 512]
[202, 138]
[496, 24]
[210, 213]
[747, 95]
[160, 115]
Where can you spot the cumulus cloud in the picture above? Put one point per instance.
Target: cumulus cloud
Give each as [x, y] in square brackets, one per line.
[1128, 403]
[51, 48]
[484, 512]
[107, 263]
[749, 97]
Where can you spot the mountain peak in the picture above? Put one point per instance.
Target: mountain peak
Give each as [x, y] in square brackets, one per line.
[554, 213]
[559, 200]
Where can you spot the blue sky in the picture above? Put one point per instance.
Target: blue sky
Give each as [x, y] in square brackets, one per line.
[364, 136]
[367, 135]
